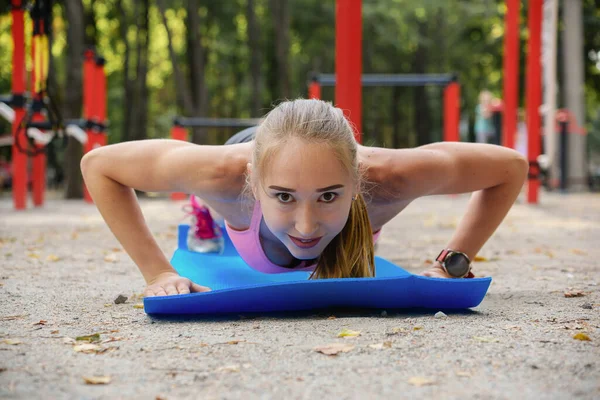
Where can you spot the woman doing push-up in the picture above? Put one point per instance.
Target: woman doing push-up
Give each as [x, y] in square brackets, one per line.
[299, 193]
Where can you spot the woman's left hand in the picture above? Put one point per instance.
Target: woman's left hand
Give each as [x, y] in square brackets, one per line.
[436, 271]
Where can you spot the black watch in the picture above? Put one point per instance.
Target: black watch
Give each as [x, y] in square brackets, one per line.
[455, 263]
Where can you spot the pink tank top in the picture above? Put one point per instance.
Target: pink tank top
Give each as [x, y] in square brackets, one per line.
[248, 245]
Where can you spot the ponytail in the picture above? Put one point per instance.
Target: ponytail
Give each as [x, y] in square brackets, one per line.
[351, 254]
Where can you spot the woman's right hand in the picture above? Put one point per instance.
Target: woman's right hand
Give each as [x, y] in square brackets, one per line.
[170, 283]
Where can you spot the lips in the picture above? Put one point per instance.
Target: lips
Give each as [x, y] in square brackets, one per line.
[305, 244]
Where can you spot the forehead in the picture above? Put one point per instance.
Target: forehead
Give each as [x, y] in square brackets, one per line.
[299, 165]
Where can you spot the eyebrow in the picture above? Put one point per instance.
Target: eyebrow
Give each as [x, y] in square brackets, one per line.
[325, 189]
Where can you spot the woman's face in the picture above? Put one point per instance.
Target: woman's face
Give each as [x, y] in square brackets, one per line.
[305, 195]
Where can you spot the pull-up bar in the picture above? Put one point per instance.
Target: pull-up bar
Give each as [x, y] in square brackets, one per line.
[392, 79]
[199, 122]
[449, 81]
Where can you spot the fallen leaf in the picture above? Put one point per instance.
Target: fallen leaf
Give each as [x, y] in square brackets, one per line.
[229, 368]
[574, 293]
[42, 322]
[138, 305]
[33, 255]
[112, 258]
[53, 332]
[421, 381]
[89, 338]
[53, 258]
[380, 346]
[116, 249]
[579, 252]
[480, 259]
[417, 328]
[396, 331]
[486, 339]
[87, 348]
[235, 341]
[332, 317]
[348, 333]
[12, 341]
[581, 336]
[334, 348]
[96, 380]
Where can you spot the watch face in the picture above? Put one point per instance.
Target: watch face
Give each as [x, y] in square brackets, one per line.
[457, 265]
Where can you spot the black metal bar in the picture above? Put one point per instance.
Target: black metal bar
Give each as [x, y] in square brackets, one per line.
[564, 142]
[199, 122]
[82, 123]
[393, 79]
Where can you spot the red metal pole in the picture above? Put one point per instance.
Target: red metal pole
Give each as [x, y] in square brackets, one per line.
[452, 112]
[348, 61]
[179, 133]
[100, 101]
[534, 96]
[19, 160]
[511, 72]
[88, 105]
[314, 90]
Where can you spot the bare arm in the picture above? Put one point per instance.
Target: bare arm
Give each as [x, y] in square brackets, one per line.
[495, 174]
[112, 173]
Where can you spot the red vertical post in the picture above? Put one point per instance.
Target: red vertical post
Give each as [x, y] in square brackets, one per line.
[19, 160]
[348, 61]
[100, 138]
[452, 112]
[178, 132]
[314, 90]
[88, 105]
[511, 72]
[533, 89]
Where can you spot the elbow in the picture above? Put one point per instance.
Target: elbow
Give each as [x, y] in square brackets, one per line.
[87, 162]
[521, 167]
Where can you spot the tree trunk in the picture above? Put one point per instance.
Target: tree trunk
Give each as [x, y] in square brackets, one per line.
[573, 86]
[197, 62]
[281, 24]
[140, 131]
[74, 94]
[128, 80]
[421, 103]
[255, 59]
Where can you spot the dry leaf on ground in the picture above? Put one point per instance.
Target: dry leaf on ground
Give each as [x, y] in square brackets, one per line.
[87, 348]
[574, 293]
[42, 322]
[581, 336]
[96, 380]
[11, 341]
[348, 333]
[334, 348]
[53, 258]
[380, 346]
[480, 259]
[229, 368]
[421, 381]
[138, 305]
[579, 252]
[89, 338]
[111, 258]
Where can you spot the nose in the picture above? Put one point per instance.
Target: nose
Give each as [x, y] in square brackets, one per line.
[306, 222]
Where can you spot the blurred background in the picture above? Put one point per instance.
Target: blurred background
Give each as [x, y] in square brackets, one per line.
[237, 58]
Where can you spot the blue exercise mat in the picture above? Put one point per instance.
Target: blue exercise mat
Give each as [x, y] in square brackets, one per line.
[237, 288]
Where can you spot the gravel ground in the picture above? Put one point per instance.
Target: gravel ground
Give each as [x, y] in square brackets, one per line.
[61, 270]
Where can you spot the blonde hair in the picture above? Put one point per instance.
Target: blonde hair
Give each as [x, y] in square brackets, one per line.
[351, 253]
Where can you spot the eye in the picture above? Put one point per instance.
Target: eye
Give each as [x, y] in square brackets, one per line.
[329, 197]
[284, 197]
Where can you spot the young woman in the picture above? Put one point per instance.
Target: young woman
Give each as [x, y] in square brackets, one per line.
[300, 194]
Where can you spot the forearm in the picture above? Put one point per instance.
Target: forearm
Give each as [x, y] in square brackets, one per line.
[486, 210]
[120, 209]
